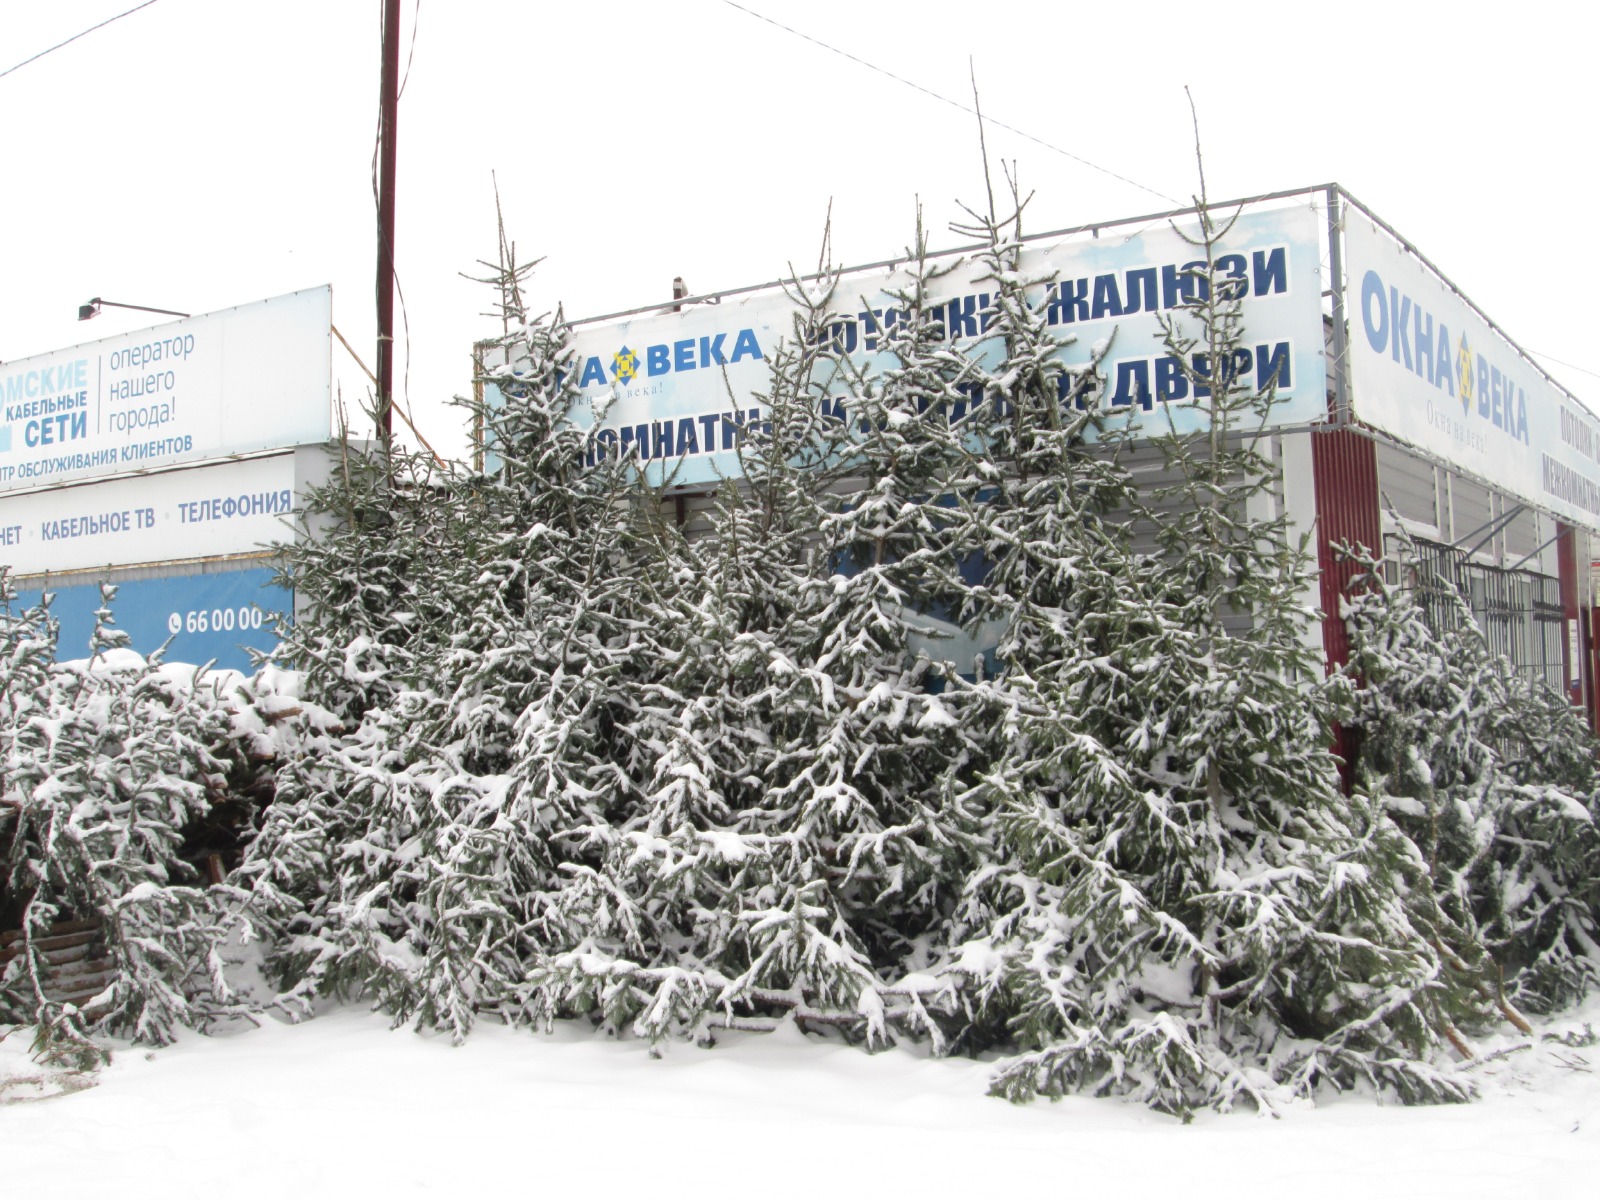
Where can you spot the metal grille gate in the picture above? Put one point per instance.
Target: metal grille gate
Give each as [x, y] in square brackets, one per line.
[1519, 612]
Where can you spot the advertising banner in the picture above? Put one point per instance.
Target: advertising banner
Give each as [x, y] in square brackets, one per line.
[196, 512]
[1428, 369]
[206, 617]
[661, 387]
[238, 381]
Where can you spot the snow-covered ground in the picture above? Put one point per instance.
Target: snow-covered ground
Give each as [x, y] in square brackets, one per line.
[341, 1106]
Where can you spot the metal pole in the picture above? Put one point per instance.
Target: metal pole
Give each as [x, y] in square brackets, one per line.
[1494, 528]
[1517, 566]
[388, 108]
[1341, 389]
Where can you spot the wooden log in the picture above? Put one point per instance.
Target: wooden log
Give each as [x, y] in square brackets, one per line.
[59, 929]
[52, 949]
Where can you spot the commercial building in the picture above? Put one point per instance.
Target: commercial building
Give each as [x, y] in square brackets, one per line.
[165, 461]
[1401, 404]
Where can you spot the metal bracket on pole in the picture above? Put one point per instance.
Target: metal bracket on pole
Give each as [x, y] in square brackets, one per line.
[1517, 566]
[1489, 528]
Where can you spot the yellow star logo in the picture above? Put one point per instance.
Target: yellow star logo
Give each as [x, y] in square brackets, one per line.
[1464, 373]
[624, 365]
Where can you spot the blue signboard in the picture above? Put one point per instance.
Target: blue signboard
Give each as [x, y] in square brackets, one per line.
[676, 391]
[207, 617]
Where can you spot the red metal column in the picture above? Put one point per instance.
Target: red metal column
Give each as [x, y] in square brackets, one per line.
[1345, 466]
[1345, 470]
[1573, 655]
[1591, 663]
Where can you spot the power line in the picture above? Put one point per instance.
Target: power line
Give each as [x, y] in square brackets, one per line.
[1013, 129]
[1564, 363]
[75, 37]
[953, 103]
[416, 12]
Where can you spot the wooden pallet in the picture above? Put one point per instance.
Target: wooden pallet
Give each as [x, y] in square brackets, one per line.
[76, 967]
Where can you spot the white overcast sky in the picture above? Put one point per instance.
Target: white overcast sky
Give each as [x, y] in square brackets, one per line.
[203, 153]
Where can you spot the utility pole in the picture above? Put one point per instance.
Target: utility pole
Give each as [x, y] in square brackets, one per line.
[389, 104]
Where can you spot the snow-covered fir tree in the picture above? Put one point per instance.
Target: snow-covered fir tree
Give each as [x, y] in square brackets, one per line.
[113, 765]
[575, 762]
[412, 858]
[783, 859]
[1294, 889]
[688, 882]
[1183, 907]
[1054, 931]
[1494, 778]
[875, 729]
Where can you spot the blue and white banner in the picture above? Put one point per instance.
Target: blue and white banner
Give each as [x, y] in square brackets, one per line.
[197, 512]
[242, 380]
[1427, 368]
[673, 389]
[217, 617]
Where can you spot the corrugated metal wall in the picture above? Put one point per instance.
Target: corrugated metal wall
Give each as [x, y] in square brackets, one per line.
[1500, 553]
[1346, 469]
[1361, 488]
[1410, 486]
[1440, 505]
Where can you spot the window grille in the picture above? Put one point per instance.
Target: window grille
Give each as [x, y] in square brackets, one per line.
[1519, 612]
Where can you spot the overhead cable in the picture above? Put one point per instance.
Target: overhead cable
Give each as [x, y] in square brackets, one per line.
[1078, 158]
[75, 37]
